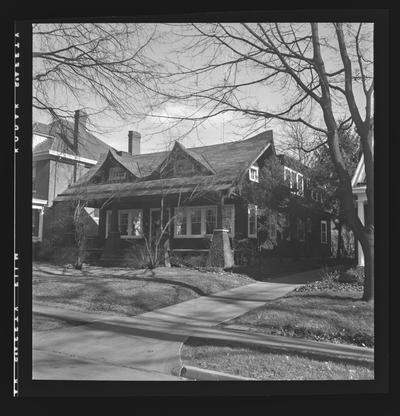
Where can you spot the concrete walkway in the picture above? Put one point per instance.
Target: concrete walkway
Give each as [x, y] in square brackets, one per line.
[146, 347]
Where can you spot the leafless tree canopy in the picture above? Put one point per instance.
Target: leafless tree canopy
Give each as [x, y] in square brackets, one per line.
[102, 67]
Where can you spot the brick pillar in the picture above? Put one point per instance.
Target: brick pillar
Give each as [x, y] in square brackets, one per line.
[220, 253]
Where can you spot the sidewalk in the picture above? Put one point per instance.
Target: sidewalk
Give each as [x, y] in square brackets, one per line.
[151, 342]
[146, 326]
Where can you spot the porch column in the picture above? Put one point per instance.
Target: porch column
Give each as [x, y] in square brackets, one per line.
[112, 242]
[360, 211]
[220, 253]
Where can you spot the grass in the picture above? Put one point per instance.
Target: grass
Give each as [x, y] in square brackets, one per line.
[323, 311]
[262, 364]
[124, 291]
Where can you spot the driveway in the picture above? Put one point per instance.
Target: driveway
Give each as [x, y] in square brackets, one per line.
[147, 346]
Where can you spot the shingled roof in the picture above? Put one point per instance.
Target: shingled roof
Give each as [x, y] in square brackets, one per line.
[228, 160]
[60, 137]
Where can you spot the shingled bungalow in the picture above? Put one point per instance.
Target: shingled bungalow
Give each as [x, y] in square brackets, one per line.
[198, 189]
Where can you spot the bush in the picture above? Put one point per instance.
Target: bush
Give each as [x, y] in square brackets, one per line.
[331, 280]
[56, 254]
[190, 261]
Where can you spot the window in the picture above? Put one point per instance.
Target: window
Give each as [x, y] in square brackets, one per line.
[324, 232]
[195, 222]
[129, 223]
[180, 221]
[252, 221]
[195, 218]
[211, 219]
[300, 229]
[294, 180]
[253, 173]
[116, 173]
[309, 225]
[317, 196]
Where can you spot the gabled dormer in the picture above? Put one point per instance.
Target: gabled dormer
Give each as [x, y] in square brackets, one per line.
[112, 170]
[182, 162]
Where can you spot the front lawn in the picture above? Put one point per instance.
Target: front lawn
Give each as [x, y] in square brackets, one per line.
[323, 311]
[262, 364]
[124, 291]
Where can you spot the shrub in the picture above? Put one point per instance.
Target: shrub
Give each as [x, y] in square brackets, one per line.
[56, 254]
[190, 261]
[331, 281]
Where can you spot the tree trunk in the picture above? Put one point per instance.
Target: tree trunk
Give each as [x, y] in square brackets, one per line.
[340, 241]
[367, 244]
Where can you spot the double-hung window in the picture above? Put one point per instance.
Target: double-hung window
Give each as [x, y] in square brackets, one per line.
[211, 219]
[324, 232]
[194, 222]
[253, 173]
[130, 223]
[180, 222]
[294, 180]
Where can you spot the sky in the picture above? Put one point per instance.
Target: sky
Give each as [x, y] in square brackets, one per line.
[222, 128]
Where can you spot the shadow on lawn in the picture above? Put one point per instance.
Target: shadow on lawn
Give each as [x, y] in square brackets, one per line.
[130, 276]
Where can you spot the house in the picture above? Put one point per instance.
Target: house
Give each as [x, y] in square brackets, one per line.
[198, 193]
[62, 152]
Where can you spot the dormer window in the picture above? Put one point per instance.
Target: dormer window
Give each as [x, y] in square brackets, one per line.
[253, 173]
[294, 180]
[116, 173]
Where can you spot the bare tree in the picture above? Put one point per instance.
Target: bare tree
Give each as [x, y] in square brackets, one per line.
[101, 67]
[323, 72]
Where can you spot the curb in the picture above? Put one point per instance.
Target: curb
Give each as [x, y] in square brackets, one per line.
[201, 374]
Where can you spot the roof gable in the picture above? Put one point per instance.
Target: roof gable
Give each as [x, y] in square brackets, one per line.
[62, 134]
[180, 161]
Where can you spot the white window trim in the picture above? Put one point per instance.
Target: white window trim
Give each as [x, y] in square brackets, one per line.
[254, 235]
[129, 212]
[287, 171]
[129, 236]
[324, 233]
[254, 169]
[187, 216]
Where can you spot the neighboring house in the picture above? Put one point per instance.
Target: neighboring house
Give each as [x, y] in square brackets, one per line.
[199, 189]
[359, 190]
[62, 152]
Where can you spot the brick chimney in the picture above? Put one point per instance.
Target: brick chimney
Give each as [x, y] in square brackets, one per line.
[80, 120]
[134, 142]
